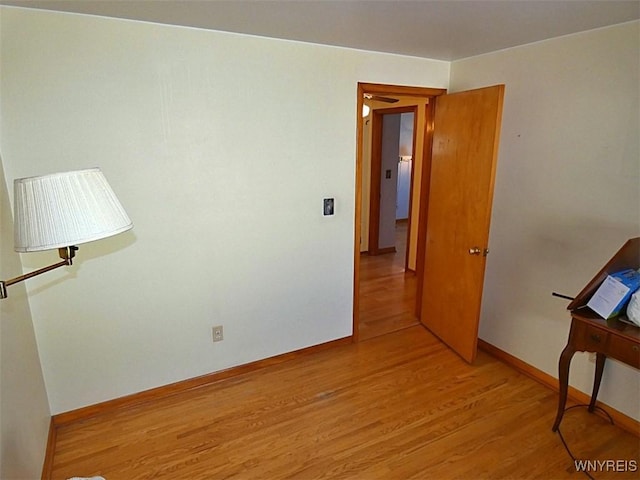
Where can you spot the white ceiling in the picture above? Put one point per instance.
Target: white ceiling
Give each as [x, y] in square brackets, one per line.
[438, 29]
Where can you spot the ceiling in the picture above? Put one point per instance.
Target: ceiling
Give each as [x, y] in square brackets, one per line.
[438, 29]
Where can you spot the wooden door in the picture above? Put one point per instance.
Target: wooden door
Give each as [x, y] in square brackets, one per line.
[464, 152]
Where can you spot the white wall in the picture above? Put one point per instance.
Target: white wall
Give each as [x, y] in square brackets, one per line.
[24, 409]
[567, 190]
[404, 166]
[389, 153]
[221, 148]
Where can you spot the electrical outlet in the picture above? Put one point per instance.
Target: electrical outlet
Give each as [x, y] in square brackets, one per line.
[217, 333]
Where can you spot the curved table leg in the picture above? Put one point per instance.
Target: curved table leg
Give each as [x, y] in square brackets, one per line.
[563, 379]
[600, 358]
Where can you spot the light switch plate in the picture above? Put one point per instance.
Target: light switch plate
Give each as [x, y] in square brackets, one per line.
[328, 206]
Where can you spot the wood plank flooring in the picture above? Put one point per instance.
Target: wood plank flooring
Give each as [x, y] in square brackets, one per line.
[387, 292]
[398, 406]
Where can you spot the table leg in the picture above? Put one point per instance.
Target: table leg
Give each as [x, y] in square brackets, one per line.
[600, 358]
[563, 379]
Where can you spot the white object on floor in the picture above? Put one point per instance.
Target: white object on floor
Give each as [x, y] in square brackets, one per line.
[86, 478]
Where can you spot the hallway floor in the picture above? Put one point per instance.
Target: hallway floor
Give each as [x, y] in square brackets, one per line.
[387, 292]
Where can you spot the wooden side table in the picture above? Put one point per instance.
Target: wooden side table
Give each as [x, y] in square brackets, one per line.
[607, 338]
[590, 333]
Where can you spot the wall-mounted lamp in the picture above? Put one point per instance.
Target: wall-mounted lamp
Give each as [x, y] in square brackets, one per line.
[60, 211]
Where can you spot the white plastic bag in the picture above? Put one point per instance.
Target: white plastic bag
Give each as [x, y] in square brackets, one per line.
[633, 309]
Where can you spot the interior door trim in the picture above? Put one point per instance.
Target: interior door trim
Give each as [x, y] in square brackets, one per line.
[425, 183]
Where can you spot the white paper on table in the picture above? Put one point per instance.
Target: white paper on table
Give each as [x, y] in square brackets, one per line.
[608, 297]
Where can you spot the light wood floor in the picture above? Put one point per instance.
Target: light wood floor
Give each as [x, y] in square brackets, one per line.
[387, 292]
[398, 406]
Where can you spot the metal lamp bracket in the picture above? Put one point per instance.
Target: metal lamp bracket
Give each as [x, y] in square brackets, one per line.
[66, 253]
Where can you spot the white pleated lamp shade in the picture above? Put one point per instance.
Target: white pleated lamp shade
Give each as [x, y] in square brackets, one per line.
[64, 209]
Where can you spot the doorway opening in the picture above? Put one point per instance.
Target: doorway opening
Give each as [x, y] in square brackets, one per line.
[387, 257]
[387, 283]
[391, 134]
[454, 199]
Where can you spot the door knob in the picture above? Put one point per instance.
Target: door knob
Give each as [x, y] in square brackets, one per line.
[475, 251]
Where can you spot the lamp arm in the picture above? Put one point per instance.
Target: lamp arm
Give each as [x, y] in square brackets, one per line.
[66, 253]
